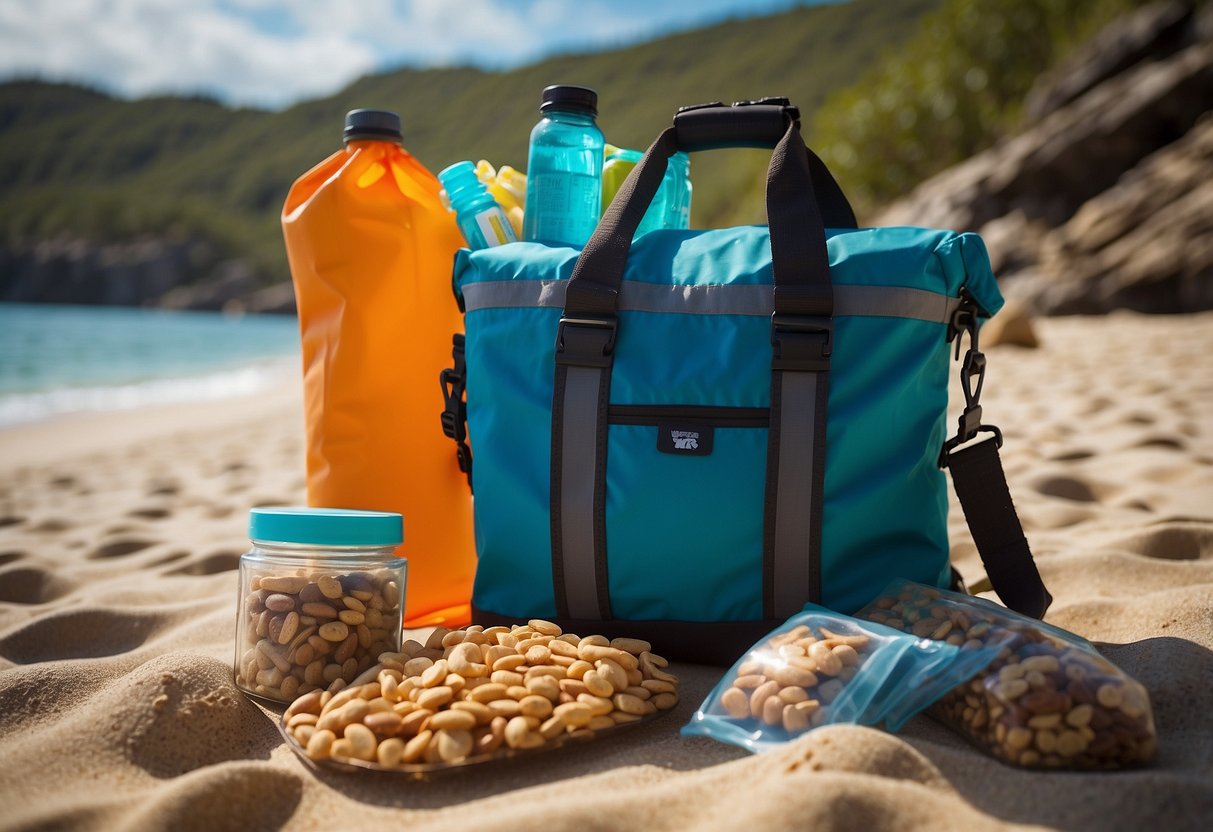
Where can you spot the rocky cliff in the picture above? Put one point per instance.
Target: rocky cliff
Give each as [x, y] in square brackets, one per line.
[153, 271]
[1104, 200]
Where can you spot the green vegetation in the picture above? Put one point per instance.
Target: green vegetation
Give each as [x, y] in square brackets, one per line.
[77, 162]
[892, 92]
[953, 90]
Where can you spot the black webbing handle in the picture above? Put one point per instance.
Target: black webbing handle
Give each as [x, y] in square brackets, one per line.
[712, 126]
[760, 124]
[798, 248]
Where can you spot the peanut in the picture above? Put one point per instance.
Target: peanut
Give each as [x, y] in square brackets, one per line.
[474, 693]
[786, 681]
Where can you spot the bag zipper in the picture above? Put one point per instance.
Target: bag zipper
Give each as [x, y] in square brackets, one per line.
[726, 417]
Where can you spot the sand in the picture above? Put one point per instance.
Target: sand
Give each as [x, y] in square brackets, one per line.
[120, 534]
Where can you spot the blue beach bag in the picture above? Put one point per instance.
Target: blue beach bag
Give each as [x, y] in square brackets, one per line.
[688, 436]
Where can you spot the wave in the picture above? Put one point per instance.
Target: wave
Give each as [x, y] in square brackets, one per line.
[24, 408]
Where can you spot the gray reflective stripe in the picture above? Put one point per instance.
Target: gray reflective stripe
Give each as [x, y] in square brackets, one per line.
[578, 474]
[849, 301]
[792, 568]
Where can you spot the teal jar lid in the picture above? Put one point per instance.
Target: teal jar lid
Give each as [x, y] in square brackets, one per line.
[325, 526]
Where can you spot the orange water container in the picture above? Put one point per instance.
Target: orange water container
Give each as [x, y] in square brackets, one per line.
[371, 247]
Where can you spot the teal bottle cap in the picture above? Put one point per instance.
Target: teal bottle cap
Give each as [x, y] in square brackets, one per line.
[325, 526]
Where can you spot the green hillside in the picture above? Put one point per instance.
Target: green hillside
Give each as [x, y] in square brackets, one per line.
[869, 76]
[78, 162]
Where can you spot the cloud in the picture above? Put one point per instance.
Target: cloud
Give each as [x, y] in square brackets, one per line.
[137, 47]
[273, 52]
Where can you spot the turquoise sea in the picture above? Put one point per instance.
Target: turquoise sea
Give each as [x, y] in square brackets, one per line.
[63, 359]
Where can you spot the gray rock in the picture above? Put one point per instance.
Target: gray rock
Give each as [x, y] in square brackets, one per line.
[1145, 244]
[1052, 168]
[1105, 202]
[1151, 33]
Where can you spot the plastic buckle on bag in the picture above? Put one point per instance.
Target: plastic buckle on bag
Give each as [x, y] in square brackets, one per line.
[774, 101]
[454, 409]
[801, 343]
[586, 342]
[961, 439]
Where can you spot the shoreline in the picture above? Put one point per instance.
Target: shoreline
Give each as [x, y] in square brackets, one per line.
[64, 435]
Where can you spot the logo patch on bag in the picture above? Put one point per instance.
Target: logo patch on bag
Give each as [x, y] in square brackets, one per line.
[684, 440]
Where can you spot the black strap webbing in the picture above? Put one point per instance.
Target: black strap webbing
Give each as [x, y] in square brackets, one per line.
[981, 486]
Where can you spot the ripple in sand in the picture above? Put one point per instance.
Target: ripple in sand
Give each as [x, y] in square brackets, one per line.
[11, 520]
[1067, 488]
[1168, 442]
[171, 557]
[10, 556]
[120, 548]
[1056, 515]
[52, 525]
[1075, 455]
[150, 513]
[163, 487]
[31, 585]
[233, 796]
[1174, 541]
[80, 634]
[211, 564]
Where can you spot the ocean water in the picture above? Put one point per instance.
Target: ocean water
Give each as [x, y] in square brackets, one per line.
[57, 359]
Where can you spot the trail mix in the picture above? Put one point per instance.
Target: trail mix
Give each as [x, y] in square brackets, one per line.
[470, 693]
[303, 633]
[1044, 701]
[792, 678]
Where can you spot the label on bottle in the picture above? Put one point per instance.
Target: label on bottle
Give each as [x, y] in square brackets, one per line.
[564, 207]
[495, 227]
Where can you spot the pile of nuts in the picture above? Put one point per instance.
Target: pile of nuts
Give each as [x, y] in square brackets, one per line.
[470, 694]
[792, 678]
[303, 633]
[1042, 702]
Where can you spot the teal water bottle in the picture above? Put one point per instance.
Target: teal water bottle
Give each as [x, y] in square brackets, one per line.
[678, 211]
[564, 169]
[477, 214]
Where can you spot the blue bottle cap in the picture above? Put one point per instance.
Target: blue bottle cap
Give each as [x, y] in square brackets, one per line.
[325, 526]
[459, 176]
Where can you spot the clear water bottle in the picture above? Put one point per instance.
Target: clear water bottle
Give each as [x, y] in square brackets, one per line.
[564, 169]
[482, 221]
[671, 207]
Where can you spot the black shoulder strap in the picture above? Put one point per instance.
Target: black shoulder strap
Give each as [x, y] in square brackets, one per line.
[981, 486]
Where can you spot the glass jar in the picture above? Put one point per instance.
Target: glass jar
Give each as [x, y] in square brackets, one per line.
[321, 596]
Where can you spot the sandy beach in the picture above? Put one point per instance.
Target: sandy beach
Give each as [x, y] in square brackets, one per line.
[120, 534]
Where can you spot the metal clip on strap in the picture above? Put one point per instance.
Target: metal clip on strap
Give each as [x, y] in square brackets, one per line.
[972, 378]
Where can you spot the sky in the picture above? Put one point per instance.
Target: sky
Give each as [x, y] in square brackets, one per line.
[272, 53]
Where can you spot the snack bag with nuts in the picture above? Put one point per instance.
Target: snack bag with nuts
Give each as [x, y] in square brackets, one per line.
[1047, 700]
[824, 668]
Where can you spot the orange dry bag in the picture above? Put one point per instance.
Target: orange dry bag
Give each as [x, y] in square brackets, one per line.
[371, 247]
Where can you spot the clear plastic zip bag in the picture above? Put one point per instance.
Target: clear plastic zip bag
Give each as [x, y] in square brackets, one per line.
[1047, 699]
[824, 668]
